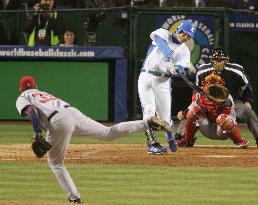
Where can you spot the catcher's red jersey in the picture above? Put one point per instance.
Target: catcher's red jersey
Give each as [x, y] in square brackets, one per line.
[210, 108]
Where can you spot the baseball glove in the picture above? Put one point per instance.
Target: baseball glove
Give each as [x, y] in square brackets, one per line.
[39, 145]
[217, 93]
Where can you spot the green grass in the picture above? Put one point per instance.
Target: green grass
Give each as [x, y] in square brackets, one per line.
[133, 185]
[21, 134]
[127, 184]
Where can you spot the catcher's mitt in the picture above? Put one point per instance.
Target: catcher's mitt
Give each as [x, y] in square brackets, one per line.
[217, 93]
[39, 145]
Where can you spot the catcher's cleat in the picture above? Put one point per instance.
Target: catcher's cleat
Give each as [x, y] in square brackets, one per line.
[243, 144]
[156, 149]
[178, 136]
[157, 124]
[76, 201]
[183, 143]
[172, 145]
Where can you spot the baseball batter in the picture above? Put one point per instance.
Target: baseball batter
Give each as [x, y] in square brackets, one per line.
[61, 121]
[167, 55]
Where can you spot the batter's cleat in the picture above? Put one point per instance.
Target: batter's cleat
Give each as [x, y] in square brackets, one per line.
[156, 149]
[243, 144]
[172, 145]
[157, 124]
[76, 201]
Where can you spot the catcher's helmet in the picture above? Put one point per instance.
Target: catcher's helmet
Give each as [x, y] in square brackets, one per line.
[187, 27]
[27, 82]
[219, 54]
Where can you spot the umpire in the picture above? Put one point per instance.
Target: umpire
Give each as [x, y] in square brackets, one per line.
[238, 85]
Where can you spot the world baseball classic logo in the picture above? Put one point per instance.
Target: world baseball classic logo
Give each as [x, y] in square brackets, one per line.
[203, 41]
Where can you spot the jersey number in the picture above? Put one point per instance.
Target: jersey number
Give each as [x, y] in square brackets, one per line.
[44, 98]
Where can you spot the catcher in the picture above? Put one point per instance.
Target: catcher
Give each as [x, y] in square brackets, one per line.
[212, 112]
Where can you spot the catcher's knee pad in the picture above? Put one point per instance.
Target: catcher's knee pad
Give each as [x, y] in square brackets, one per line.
[226, 122]
[194, 113]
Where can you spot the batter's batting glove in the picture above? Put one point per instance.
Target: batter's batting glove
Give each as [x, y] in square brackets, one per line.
[172, 68]
[181, 70]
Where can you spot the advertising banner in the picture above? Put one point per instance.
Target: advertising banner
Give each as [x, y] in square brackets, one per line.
[243, 22]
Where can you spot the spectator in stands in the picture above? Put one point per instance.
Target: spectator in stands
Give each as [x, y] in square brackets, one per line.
[68, 38]
[45, 26]
[244, 5]
[200, 3]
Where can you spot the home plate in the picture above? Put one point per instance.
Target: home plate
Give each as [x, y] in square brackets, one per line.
[220, 156]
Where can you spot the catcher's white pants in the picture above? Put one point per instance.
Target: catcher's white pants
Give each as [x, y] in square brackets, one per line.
[211, 130]
[71, 121]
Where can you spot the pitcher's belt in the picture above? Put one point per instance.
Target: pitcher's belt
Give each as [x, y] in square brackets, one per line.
[55, 112]
[156, 73]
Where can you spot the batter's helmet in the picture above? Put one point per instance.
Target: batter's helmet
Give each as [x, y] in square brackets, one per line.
[187, 27]
[218, 53]
[27, 82]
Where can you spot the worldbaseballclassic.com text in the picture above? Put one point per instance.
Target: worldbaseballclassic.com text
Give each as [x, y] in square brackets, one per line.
[50, 52]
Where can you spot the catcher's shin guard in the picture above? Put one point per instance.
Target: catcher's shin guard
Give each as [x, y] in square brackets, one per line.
[194, 113]
[188, 139]
[226, 123]
[153, 144]
[237, 138]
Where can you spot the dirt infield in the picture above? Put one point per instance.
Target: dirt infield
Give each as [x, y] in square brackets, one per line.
[137, 155]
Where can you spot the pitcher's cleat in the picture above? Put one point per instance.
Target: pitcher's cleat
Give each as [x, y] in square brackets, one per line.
[157, 124]
[76, 201]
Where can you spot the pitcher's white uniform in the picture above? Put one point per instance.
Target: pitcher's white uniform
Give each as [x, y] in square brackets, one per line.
[65, 122]
[154, 83]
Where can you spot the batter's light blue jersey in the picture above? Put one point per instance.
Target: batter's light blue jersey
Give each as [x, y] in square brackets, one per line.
[155, 59]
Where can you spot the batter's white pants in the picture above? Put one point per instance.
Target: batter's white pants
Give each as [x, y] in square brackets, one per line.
[71, 121]
[155, 96]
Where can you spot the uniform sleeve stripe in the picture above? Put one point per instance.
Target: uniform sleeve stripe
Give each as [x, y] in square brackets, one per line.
[238, 72]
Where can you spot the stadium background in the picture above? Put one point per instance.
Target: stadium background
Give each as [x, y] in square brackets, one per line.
[129, 28]
[213, 172]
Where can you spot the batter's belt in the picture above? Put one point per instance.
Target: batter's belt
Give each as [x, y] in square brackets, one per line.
[156, 73]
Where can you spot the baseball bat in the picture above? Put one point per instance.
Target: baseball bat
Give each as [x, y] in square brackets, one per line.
[190, 84]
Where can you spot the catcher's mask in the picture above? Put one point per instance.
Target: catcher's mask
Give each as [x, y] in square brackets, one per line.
[218, 58]
[27, 82]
